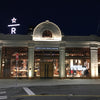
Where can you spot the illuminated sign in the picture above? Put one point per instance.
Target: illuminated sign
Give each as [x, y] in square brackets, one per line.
[13, 25]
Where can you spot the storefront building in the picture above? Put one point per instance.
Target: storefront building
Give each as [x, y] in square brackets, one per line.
[46, 53]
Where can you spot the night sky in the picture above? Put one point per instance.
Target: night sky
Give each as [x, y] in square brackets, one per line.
[74, 17]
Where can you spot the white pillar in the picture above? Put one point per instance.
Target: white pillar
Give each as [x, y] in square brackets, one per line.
[0, 59]
[31, 61]
[62, 62]
[71, 62]
[94, 62]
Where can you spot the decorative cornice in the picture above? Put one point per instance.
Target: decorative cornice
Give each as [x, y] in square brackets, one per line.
[31, 45]
[93, 46]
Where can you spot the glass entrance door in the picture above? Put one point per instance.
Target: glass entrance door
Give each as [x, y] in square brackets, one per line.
[43, 57]
[46, 70]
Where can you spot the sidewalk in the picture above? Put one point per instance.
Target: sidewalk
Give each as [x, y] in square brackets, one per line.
[5, 83]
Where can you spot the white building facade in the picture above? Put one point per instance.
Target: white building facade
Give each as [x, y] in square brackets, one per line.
[48, 54]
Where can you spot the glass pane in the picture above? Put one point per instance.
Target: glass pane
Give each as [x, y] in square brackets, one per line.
[77, 67]
[46, 56]
[77, 62]
[11, 67]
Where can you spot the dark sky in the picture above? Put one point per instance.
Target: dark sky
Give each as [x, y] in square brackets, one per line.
[74, 17]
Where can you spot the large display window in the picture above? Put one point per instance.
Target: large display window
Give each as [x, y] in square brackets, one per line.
[77, 62]
[11, 67]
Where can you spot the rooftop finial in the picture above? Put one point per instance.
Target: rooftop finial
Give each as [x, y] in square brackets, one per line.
[47, 21]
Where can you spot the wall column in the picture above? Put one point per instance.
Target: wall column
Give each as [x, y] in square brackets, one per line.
[0, 59]
[94, 61]
[62, 62]
[31, 60]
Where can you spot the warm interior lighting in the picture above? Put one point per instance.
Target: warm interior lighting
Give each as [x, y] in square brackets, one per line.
[30, 74]
[79, 61]
[71, 62]
[94, 70]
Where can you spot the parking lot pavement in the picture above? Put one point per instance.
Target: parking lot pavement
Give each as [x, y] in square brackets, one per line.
[62, 92]
[67, 90]
[3, 94]
[7, 83]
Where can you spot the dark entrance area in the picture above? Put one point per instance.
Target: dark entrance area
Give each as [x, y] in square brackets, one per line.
[46, 70]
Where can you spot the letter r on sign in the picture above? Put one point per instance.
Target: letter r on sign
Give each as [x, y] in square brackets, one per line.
[13, 30]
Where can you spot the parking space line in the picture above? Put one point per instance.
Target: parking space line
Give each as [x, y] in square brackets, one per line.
[28, 91]
[61, 95]
[3, 97]
[2, 92]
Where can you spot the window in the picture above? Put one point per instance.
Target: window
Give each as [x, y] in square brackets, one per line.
[77, 62]
[9, 65]
[47, 33]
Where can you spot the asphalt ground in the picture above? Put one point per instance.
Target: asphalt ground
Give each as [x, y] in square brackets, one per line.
[7, 83]
[62, 92]
[51, 89]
